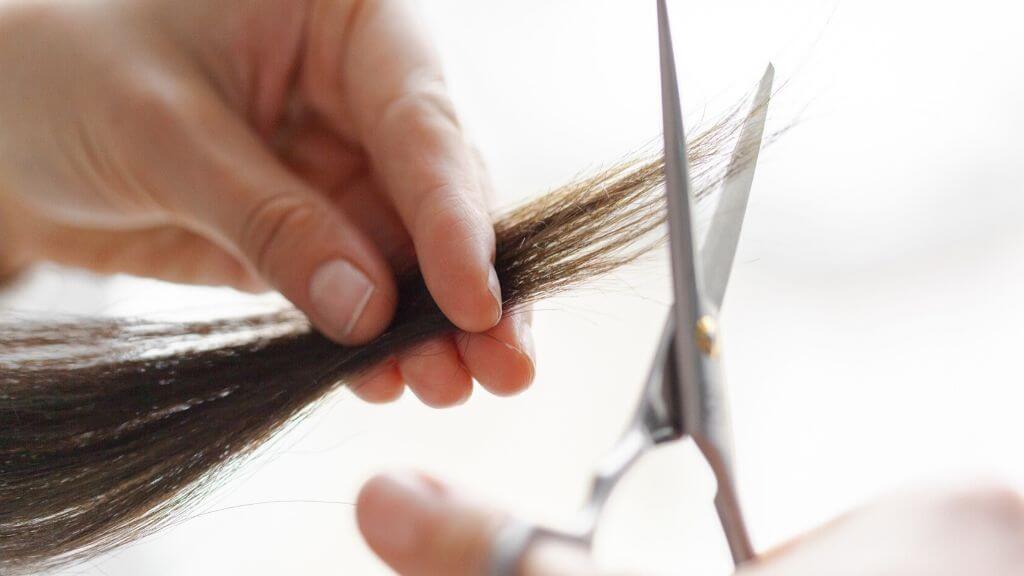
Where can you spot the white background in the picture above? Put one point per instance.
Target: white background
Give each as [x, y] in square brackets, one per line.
[873, 326]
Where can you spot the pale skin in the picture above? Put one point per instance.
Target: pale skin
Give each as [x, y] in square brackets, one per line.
[305, 146]
[309, 147]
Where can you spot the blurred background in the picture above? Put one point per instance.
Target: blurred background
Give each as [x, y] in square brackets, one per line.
[872, 330]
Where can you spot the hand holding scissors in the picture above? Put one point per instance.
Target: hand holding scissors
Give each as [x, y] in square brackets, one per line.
[421, 527]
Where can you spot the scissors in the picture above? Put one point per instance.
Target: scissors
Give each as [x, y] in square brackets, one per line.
[684, 395]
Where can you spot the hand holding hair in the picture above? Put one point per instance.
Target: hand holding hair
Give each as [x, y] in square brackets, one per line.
[305, 146]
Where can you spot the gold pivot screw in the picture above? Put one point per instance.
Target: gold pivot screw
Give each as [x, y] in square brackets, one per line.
[707, 335]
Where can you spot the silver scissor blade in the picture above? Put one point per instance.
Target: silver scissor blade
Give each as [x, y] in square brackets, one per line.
[685, 272]
[723, 236]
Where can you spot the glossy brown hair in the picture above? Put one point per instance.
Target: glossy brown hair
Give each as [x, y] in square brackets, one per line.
[109, 427]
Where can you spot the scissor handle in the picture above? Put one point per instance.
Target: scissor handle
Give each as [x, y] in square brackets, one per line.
[514, 540]
[655, 421]
[509, 547]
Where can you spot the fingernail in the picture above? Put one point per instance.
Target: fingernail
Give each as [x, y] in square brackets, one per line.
[403, 505]
[494, 285]
[526, 344]
[340, 293]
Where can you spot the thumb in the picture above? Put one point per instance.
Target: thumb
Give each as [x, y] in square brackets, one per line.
[229, 186]
[420, 527]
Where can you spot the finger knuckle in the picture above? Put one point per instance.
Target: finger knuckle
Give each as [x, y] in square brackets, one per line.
[267, 226]
[443, 212]
[448, 220]
[425, 106]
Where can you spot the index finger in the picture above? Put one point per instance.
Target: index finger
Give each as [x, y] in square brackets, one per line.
[399, 106]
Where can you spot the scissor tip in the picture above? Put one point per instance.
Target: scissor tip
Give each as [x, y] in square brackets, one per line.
[764, 87]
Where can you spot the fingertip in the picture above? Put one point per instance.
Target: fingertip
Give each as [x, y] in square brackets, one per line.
[319, 260]
[473, 306]
[351, 306]
[494, 287]
[434, 372]
[419, 526]
[503, 358]
[456, 249]
[394, 514]
[375, 318]
[378, 493]
[381, 385]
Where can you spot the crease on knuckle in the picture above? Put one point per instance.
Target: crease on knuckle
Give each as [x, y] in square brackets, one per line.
[425, 102]
[268, 223]
[441, 210]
